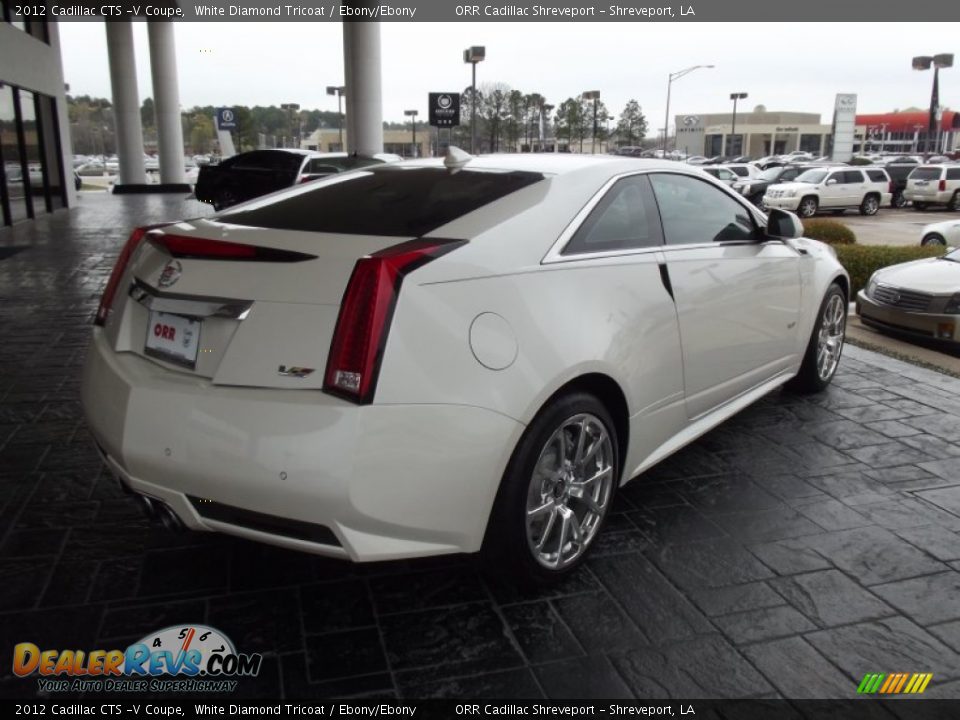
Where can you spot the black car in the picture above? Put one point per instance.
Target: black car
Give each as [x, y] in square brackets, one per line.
[754, 188]
[252, 174]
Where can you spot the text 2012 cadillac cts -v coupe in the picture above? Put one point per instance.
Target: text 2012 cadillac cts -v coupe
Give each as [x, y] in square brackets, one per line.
[450, 355]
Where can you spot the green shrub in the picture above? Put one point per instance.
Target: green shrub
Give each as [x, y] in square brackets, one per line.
[829, 231]
[861, 261]
[860, 161]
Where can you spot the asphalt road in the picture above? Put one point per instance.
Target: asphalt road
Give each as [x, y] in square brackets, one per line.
[892, 227]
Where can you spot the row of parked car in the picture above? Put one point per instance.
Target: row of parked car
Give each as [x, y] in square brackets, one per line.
[811, 187]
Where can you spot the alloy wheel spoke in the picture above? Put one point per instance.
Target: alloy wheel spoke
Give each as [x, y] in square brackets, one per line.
[551, 521]
[542, 510]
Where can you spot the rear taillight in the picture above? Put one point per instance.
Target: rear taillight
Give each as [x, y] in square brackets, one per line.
[942, 187]
[890, 187]
[365, 314]
[106, 301]
[198, 248]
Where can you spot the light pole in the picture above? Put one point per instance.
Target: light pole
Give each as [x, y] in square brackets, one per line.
[413, 114]
[733, 126]
[291, 108]
[473, 55]
[670, 78]
[923, 62]
[338, 90]
[595, 96]
[545, 109]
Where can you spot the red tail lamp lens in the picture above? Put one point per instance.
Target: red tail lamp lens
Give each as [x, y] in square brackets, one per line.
[365, 314]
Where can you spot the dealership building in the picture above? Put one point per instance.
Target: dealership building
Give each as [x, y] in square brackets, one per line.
[762, 132]
[34, 139]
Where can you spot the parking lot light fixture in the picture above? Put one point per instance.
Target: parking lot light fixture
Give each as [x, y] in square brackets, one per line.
[338, 90]
[670, 78]
[924, 62]
[413, 115]
[473, 55]
[733, 128]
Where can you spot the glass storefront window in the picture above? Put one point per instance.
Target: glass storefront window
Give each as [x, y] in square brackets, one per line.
[16, 185]
[36, 167]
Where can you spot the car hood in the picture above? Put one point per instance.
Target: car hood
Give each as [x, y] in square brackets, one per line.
[930, 275]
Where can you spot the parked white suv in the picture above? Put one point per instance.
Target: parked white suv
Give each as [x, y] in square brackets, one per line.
[934, 185]
[837, 188]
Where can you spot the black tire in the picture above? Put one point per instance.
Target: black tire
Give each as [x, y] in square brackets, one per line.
[870, 205]
[898, 200]
[224, 199]
[809, 379]
[933, 239]
[508, 548]
[808, 206]
[954, 204]
[919, 206]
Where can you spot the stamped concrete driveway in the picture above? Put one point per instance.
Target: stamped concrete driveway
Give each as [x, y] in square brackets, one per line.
[806, 542]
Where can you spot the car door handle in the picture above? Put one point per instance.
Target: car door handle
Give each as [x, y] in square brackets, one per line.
[665, 279]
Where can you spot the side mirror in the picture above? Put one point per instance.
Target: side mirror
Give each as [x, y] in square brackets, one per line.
[784, 225]
[831, 181]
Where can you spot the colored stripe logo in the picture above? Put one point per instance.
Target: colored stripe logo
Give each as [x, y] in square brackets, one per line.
[894, 683]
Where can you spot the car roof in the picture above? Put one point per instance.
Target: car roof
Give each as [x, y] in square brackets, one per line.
[554, 163]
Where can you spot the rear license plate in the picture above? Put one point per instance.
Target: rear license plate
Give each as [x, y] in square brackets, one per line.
[173, 338]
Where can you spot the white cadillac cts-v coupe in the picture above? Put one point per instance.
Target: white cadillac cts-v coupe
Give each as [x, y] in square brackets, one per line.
[456, 355]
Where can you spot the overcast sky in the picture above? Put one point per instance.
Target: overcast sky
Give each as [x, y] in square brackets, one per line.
[797, 67]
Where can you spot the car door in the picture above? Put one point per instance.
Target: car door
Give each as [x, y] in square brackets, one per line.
[737, 293]
[833, 191]
[854, 187]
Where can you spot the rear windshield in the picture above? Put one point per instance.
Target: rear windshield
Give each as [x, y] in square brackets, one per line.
[399, 201]
[926, 173]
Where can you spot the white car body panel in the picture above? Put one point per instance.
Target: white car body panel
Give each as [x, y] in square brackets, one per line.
[949, 230]
[479, 341]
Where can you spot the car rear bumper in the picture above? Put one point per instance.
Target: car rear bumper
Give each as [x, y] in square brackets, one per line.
[298, 468]
[929, 326]
[934, 198]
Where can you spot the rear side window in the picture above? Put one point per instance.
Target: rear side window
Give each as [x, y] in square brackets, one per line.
[392, 201]
[953, 173]
[926, 173]
[877, 176]
[741, 171]
[625, 218]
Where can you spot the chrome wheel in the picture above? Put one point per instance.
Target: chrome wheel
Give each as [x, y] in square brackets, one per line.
[830, 339]
[870, 206]
[933, 240]
[808, 208]
[570, 491]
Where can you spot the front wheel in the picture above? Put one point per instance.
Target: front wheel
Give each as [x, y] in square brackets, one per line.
[933, 239]
[556, 492]
[807, 207]
[826, 344]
